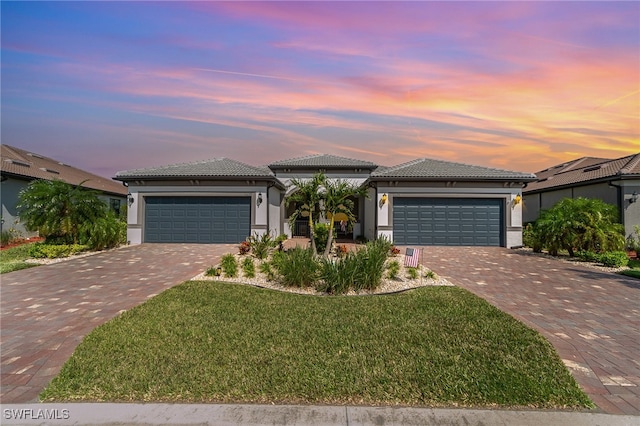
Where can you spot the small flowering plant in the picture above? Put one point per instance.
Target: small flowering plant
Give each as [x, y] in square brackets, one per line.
[394, 251]
[244, 247]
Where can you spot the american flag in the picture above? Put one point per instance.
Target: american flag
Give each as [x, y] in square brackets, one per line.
[411, 257]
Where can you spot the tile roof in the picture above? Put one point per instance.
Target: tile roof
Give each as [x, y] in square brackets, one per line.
[425, 168]
[216, 167]
[322, 160]
[29, 165]
[584, 170]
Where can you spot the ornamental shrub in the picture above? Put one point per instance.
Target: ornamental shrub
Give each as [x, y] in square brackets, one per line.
[55, 251]
[321, 236]
[339, 275]
[248, 267]
[392, 269]
[298, 267]
[614, 259]
[229, 265]
[261, 245]
[578, 223]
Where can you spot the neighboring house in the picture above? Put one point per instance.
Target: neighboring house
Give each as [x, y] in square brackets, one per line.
[615, 182]
[422, 202]
[19, 167]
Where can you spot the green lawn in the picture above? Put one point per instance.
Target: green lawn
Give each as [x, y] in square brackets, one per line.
[13, 259]
[217, 342]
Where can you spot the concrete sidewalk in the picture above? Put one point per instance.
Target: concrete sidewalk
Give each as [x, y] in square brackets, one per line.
[222, 415]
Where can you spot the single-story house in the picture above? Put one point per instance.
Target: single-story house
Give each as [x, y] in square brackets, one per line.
[421, 202]
[19, 167]
[614, 181]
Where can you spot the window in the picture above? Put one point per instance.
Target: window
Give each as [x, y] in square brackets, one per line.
[115, 205]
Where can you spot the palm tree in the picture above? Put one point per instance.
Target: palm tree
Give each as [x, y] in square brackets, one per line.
[57, 209]
[338, 199]
[307, 198]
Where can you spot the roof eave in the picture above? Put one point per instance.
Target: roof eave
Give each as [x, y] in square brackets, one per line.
[454, 178]
[582, 183]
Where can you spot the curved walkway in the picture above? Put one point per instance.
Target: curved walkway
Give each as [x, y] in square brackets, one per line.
[46, 311]
[592, 318]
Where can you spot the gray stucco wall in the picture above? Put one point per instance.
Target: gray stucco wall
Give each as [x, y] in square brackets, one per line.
[9, 193]
[630, 210]
[544, 201]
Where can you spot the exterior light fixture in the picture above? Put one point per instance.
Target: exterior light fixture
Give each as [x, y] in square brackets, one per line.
[130, 199]
[517, 200]
[259, 199]
[383, 199]
[634, 197]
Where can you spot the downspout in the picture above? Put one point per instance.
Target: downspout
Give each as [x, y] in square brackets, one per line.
[620, 201]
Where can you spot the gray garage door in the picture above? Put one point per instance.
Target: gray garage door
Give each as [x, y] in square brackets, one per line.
[197, 219]
[448, 221]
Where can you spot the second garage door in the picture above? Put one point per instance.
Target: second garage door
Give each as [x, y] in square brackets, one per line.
[197, 219]
[448, 221]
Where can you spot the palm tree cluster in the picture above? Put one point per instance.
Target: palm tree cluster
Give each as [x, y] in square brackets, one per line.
[583, 224]
[322, 197]
[68, 214]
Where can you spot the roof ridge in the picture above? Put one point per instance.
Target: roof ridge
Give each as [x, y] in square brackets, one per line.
[20, 153]
[631, 164]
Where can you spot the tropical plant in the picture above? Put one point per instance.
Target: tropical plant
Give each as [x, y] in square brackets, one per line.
[338, 200]
[393, 268]
[5, 238]
[412, 273]
[261, 245]
[339, 276]
[430, 275]
[307, 198]
[248, 267]
[321, 236]
[614, 259]
[66, 214]
[298, 268]
[104, 232]
[229, 265]
[244, 248]
[578, 223]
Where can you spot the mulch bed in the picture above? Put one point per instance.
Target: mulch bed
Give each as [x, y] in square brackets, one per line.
[20, 242]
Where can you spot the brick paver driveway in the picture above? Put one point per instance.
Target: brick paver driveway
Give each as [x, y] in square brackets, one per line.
[592, 318]
[46, 311]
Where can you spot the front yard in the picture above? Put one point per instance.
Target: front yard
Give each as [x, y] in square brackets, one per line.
[220, 342]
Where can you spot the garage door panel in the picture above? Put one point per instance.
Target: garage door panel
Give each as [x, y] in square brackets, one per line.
[197, 219]
[444, 221]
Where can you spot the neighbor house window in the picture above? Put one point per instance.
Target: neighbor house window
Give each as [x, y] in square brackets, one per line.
[115, 205]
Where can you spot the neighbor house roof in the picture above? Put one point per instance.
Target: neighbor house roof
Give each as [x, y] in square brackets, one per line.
[425, 168]
[324, 161]
[214, 168]
[29, 165]
[584, 171]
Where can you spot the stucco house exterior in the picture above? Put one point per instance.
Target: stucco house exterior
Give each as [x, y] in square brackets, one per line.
[422, 202]
[614, 181]
[18, 167]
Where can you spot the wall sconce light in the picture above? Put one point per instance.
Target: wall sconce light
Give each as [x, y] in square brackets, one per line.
[383, 200]
[634, 197]
[130, 199]
[259, 199]
[517, 200]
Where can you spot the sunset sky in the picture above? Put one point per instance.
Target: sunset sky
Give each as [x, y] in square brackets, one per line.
[109, 86]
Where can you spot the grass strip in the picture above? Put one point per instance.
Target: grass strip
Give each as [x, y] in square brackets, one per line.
[13, 259]
[219, 342]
